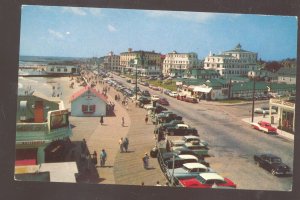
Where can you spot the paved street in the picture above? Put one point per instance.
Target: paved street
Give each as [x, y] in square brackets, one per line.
[233, 142]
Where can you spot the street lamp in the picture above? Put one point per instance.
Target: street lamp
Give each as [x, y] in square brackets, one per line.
[136, 64]
[253, 94]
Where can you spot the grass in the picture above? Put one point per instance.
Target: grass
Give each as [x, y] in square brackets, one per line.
[170, 85]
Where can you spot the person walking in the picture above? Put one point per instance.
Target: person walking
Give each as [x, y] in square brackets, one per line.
[103, 157]
[146, 161]
[101, 119]
[94, 158]
[121, 143]
[146, 119]
[123, 121]
[125, 144]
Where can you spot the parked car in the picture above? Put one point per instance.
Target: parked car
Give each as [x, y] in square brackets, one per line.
[167, 92]
[188, 170]
[184, 151]
[173, 94]
[272, 163]
[179, 161]
[146, 93]
[197, 147]
[154, 97]
[158, 109]
[191, 99]
[264, 110]
[264, 127]
[163, 101]
[181, 129]
[192, 138]
[166, 117]
[144, 100]
[163, 126]
[207, 180]
[175, 144]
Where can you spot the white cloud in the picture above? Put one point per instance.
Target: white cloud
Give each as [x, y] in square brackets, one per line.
[188, 16]
[68, 33]
[56, 34]
[111, 28]
[76, 11]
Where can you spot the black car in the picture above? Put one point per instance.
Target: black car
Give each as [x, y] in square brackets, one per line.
[272, 163]
[181, 129]
[146, 93]
[144, 100]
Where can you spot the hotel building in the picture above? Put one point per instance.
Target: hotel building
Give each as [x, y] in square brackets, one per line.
[149, 62]
[235, 62]
[176, 63]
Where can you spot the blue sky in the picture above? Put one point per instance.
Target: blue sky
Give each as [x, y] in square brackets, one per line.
[89, 32]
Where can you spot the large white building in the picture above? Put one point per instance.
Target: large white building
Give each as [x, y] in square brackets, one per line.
[235, 62]
[176, 63]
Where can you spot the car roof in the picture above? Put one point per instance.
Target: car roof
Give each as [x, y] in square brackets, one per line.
[209, 176]
[191, 137]
[270, 155]
[182, 125]
[187, 156]
[177, 142]
[194, 165]
[188, 144]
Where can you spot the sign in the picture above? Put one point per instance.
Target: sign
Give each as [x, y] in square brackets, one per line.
[33, 142]
[59, 112]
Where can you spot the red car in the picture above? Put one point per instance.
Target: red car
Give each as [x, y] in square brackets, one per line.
[163, 101]
[264, 127]
[207, 180]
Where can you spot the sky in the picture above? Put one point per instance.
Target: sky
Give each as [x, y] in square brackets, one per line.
[94, 32]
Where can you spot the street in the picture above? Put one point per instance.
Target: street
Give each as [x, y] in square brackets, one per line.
[233, 142]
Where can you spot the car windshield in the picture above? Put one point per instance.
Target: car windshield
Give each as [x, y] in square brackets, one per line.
[276, 160]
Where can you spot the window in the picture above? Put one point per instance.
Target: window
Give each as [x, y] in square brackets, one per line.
[65, 70]
[88, 108]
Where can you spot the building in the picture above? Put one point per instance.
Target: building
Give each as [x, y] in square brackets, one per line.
[148, 63]
[287, 75]
[112, 62]
[65, 172]
[88, 102]
[59, 70]
[286, 113]
[42, 129]
[175, 64]
[235, 62]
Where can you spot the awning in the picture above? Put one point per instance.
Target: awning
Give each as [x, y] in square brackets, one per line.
[202, 89]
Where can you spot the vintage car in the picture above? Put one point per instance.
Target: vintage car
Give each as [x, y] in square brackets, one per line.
[272, 163]
[264, 127]
[176, 144]
[144, 100]
[264, 110]
[181, 129]
[146, 93]
[167, 117]
[190, 99]
[192, 138]
[207, 180]
[154, 97]
[163, 126]
[188, 170]
[199, 149]
[173, 94]
[178, 160]
[163, 101]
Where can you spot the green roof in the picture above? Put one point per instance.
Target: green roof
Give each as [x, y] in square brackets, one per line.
[260, 85]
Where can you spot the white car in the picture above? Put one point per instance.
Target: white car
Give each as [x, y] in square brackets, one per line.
[154, 97]
[173, 94]
[264, 111]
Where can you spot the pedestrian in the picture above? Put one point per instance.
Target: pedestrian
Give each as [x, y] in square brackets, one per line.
[121, 143]
[123, 121]
[146, 161]
[101, 119]
[142, 184]
[103, 157]
[125, 144]
[146, 119]
[94, 158]
[157, 183]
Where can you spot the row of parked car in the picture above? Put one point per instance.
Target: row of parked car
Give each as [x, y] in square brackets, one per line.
[182, 161]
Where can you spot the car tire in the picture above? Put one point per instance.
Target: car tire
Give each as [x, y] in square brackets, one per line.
[273, 172]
